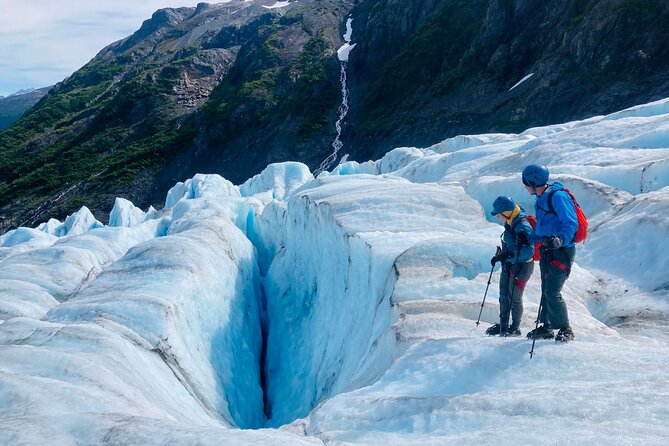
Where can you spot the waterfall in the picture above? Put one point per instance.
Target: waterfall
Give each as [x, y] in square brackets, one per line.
[342, 54]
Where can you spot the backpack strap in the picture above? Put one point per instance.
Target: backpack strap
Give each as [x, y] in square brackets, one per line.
[515, 224]
[551, 209]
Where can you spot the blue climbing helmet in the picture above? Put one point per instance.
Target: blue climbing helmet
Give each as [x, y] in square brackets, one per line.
[535, 175]
[502, 204]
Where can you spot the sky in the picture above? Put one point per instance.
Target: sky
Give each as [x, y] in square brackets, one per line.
[364, 285]
[44, 41]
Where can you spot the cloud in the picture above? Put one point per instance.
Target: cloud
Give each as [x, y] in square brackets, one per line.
[44, 41]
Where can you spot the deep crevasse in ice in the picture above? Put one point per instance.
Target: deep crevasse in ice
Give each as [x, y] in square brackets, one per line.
[328, 289]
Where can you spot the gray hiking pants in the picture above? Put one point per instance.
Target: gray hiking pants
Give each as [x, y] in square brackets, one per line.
[511, 287]
[555, 267]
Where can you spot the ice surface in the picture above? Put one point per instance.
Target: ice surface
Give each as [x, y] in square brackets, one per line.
[344, 236]
[78, 223]
[24, 239]
[33, 281]
[277, 181]
[205, 265]
[346, 304]
[124, 213]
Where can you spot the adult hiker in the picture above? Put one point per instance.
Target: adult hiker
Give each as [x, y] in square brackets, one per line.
[555, 229]
[517, 265]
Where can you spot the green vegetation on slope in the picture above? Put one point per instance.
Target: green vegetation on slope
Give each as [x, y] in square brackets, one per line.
[94, 129]
[262, 90]
[114, 125]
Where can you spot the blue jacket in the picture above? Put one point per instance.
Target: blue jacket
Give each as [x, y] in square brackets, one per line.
[563, 222]
[510, 241]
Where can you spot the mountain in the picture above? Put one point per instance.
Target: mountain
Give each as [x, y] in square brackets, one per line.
[343, 309]
[13, 106]
[229, 88]
[430, 69]
[193, 89]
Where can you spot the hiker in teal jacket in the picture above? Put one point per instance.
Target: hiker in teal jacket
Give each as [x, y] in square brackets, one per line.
[517, 265]
[555, 229]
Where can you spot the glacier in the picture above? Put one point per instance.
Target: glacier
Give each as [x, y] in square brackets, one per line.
[340, 309]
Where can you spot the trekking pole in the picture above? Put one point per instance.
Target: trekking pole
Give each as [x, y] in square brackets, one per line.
[514, 282]
[534, 338]
[498, 252]
[513, 288]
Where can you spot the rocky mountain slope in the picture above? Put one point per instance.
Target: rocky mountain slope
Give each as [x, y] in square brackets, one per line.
[229, 88]
[429, 68]
[14, 105]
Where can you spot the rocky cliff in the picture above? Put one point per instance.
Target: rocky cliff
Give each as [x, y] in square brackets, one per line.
[431, 69]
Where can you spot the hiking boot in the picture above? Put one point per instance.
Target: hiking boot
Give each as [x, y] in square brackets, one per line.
[513, 332]
[495, 330]
[565, 334]
[542, 332]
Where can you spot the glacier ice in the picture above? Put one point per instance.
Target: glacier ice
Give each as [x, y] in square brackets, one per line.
[342, 307]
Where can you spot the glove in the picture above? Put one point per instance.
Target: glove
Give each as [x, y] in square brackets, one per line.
[552, 242]
[500, 257]
[522, 238]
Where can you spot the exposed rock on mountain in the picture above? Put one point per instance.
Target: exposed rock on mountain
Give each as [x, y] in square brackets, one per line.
[433, 68]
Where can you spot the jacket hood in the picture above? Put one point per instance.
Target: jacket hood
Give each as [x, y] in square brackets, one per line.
[556, 186]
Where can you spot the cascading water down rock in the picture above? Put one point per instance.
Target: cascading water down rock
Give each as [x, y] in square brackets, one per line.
[342, 54]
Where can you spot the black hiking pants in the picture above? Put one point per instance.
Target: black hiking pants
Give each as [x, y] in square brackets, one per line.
[511, 288]
[555, 267]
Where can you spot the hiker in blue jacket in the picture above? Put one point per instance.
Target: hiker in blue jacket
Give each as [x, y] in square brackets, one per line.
[555, 229]
[517, 265]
